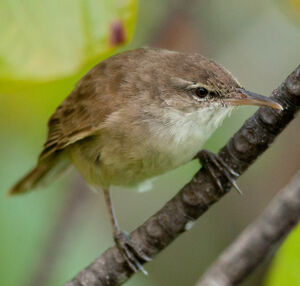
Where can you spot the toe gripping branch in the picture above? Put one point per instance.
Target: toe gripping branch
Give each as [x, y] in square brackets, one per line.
[133, 256]
[217, 168]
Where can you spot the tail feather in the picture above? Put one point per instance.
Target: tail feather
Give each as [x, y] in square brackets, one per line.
[40, 175]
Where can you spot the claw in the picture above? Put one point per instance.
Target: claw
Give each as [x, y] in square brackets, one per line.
[132, 255]
[207, 158]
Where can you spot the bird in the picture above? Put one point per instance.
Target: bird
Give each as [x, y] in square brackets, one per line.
[135, 116]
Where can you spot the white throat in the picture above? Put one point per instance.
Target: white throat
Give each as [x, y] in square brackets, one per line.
[183, 134]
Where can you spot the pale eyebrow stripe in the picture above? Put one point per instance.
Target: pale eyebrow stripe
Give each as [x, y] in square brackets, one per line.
[195, 85]
[180, 82]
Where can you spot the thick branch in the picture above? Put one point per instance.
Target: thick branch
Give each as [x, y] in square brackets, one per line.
[257, 240]
[255, 136]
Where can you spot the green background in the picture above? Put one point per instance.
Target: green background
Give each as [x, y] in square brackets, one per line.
[46, 237]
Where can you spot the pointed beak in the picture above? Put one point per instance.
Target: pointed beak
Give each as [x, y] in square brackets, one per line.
[245, 97]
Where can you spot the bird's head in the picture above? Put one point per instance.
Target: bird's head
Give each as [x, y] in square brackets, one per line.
[195, 82]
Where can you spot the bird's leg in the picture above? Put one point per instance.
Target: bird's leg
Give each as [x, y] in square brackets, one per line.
[131, 253]
[208, 159]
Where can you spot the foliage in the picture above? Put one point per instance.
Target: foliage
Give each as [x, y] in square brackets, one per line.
[291, 8]
[53, 39]
[286, 265]
[45, 48]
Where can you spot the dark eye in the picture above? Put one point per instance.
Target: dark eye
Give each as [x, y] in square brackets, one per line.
[201, 92]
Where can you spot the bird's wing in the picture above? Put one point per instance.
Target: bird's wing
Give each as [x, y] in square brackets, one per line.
[99, 93]
[78, 116]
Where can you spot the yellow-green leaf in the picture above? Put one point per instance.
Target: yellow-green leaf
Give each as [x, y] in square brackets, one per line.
[291, 8]
[46, 40]
[285, 269]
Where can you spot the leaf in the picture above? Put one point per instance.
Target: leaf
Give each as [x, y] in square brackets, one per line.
[285, 269]
[47, 40]
[45, 47]
[291, 8]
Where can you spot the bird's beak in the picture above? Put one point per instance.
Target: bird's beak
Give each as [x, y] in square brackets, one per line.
[245, 97]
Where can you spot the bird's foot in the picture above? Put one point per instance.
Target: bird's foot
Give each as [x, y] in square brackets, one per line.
[131, 253]
[208, 159]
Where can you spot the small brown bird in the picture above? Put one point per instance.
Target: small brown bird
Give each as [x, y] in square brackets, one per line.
[137, 115]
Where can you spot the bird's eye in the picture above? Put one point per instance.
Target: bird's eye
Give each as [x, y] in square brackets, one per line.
[201, 92]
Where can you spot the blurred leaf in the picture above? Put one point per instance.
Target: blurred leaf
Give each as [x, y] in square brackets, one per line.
[25, 221]
[46, 40]
[291, 8]
[45, 48]
[285, 269]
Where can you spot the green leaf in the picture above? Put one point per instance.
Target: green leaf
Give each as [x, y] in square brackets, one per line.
[285, 269]
[47, 40]
[45, 47]
[291, 9]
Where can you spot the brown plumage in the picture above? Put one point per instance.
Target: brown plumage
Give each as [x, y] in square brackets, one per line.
[107, 88]
[135, 116]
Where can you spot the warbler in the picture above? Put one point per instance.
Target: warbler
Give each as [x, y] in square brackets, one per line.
[134, 116]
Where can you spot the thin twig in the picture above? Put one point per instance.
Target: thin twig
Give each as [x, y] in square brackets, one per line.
[257, 240]
[255, 136]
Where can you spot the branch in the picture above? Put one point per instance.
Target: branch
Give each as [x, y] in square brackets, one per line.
[257, 240]
[254, 137]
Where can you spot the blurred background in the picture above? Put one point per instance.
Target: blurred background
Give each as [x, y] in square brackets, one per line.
[47, 236]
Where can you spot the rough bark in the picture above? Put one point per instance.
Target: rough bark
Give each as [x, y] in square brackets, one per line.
[257, 240]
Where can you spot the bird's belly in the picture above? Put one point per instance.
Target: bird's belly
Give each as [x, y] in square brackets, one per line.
[129, 162]
[130, 170]
[127, 167]
[146, 160]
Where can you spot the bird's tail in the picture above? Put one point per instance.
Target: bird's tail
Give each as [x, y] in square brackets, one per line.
[44, 172]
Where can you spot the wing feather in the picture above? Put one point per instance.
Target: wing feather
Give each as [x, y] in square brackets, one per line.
[79, 115]
[85, 110]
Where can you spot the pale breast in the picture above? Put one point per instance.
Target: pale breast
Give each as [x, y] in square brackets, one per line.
[185, 133]
[140, 155]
